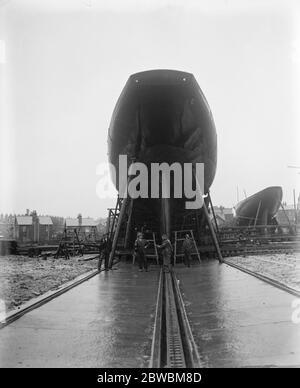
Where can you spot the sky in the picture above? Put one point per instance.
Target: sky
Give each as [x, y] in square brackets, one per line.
[64, 63]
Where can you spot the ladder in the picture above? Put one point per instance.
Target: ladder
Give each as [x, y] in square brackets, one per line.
[152, 251]
[119, 222]
[113, 216]
[179, 238]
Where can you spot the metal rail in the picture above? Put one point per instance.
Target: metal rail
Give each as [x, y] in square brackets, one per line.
[173, 345]
[266, 279]
[47, 297]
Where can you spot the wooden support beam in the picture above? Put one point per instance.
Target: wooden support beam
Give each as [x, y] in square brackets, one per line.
[211, 228]
[121, 205]
[78, 242]
[117, 231]
[212, 232]
[257, 212]
[195, 246]
[295, 207]
[197, 225]
[114, 218]
[128, 226]
[213, 212]
[285, 214]
[108, 222]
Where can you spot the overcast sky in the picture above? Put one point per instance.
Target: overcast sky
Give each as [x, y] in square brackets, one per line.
[63, 65]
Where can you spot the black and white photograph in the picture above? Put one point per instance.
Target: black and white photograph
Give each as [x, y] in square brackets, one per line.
[149, 187]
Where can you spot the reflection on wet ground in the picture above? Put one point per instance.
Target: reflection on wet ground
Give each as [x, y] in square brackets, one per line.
[104, 322]
[238, 320]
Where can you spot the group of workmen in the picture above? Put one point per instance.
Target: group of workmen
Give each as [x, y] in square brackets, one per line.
[166, 248]
[140, 247]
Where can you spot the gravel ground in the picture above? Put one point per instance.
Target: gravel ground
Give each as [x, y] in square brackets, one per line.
[284, 268]
[23, 278]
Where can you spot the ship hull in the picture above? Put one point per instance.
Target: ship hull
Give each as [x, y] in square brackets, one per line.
[163, 116]
[260, 208]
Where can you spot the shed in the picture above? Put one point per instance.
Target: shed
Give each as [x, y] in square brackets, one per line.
[45, 229]
[86, 226]
[23, 228]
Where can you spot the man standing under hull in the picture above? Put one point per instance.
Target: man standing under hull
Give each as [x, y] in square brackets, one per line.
[167, 251]
[187, 250]
[139, 247]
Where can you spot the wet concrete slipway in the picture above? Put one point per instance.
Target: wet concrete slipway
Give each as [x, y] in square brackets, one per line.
[106, 321]
[236, 319]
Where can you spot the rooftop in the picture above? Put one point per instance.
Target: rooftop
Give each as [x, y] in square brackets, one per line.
[45, 220]
[74, 223]
[24, 220]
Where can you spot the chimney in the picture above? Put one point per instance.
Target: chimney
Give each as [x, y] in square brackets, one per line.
[79, 217]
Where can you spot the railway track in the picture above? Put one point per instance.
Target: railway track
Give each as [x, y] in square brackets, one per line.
[173, 345]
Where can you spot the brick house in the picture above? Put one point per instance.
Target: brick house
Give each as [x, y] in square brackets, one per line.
[84, 226]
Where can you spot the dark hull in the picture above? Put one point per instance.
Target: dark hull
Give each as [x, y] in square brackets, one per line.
[163, 116]
[260, 208]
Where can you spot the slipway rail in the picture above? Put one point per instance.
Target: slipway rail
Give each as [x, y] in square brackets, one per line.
[173, 345]
[264, 278]
[47, 297]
